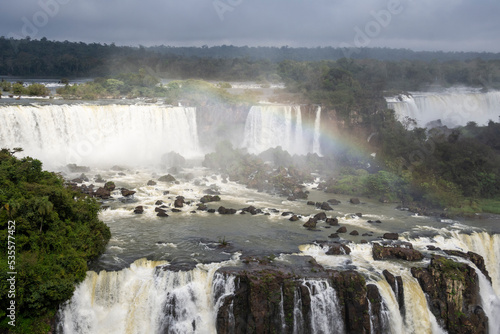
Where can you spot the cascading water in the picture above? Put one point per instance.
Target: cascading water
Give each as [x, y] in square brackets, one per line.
[100, 134]
[325, 308]
[147, 298]
[272, 126]
[453, 108]
[317, 131]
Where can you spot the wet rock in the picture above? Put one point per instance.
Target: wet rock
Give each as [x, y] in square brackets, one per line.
[332, 221]
[354, 200]
[176, 210]
[287, 213]
[179, 202]
[99, 179]
[453, 292]
[167, 178]
[209, 198]
[354, 232]
[363, 241]
[333, 235]
[224, 211]
[325, 206]
[320, 216]
[396, 284]
[139, 209]
[151, 183]
[343, 229]
[310, 224]
[77, 180]
[161, 213]
[126, 192]
[102, 193]
[294, 218]
[159, 202]
[110, 186]
[211, 191]
[202, 207]
[385, 252]
[211, 211]
[475, 258]
[308, 202]
[338, 249]
[391, 236]
[359, 214]
[333, 201]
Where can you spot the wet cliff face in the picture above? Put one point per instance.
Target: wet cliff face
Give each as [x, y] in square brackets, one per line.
[275, 297]
[453, 292]
[304, 298]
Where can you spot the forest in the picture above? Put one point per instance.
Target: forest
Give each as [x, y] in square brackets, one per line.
[56, 232]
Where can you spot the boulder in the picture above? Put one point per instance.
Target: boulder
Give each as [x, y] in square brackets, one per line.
[167, 178]
[354, 200]
[139, 209]
[343, 229]
[354, 232]
[395, 252]
[332, 221]
[209, 198]
[179, 202]
[151, 183]
[224, 211]
[338, 249]
[310, 224]
[311, 203]
[176, 210]
[320, 216]
[159, 202]
[126, 192]
[333, 201]
[391, 236]
[110, 185]
[102, 193]
[333, 235]
[325, 206]
[294, 218]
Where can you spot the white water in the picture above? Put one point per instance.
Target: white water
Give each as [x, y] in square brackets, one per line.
[99, 134]
[325, 310]
[453, 108]
[277, 125]
[146, 299]
[317, 130]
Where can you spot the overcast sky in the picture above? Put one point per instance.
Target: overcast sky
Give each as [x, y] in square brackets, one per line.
[449, 25]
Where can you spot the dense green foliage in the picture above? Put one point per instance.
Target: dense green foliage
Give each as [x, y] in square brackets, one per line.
[392, 68]
[57, 232]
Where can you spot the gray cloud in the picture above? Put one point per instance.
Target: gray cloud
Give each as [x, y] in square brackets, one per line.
[460, 25]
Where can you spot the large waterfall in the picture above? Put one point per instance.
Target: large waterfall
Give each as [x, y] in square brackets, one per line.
[271, 126]
[453, 108]
[100, 134]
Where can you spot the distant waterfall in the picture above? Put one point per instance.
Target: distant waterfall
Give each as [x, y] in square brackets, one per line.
[452, 108]
[317, 131]
[147, 299]
[276, 125]
[99, 134]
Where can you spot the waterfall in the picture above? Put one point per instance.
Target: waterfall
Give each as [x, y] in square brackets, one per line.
[317, 132]
[325, 309]
[272, 126]
[146, 298]
[99, 134]
[453, 108]
[298, 318]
